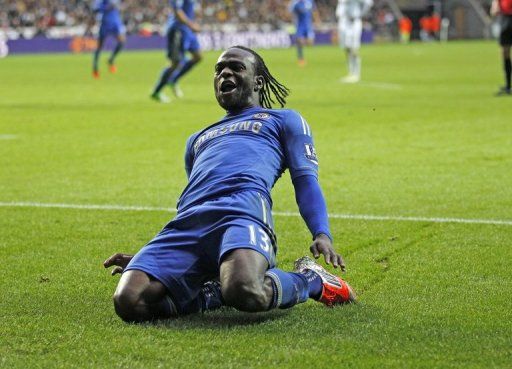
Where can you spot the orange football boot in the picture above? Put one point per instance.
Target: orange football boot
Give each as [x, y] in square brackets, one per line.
[335, 291]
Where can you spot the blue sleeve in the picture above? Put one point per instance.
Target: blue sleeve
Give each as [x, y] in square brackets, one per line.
[189, 154]
[298, 146]
[298, 8]
[98, 6]
[176, 4]
[312, 205]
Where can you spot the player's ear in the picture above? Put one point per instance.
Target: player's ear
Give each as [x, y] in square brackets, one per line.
[258, 83]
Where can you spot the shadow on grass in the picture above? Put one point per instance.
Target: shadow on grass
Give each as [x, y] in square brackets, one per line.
[222, 318]
[303, 320]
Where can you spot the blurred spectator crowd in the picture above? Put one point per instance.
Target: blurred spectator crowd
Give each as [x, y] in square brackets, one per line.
[46, 14]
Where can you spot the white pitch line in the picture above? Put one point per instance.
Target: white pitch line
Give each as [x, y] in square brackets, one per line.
[8, 137]
[382, 85]
[276, 213]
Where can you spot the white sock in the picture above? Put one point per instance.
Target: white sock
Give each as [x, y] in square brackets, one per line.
[357, 66]
[351, 65]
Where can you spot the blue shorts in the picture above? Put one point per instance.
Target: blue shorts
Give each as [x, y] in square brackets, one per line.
[305, 32]
[189, 249]
[179, 41]
[114, 29]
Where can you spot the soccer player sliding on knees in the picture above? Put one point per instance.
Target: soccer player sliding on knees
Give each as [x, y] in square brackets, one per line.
[220, 249]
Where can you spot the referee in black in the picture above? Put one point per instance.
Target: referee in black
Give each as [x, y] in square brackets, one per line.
[503, 10]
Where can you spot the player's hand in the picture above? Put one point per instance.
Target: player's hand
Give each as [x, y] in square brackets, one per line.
[119, 260]
[195, 27]
[322, 245]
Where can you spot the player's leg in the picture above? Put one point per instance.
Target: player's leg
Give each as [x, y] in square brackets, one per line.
[243, 282]
[248, 285]
[96, 57]
[350, 66]
[121, 39]
[166, 278]
[352, 43]
[175, 55]
[139, 298]
[186, 66]
[190, 44]
[505, 40]
[248, 278]
[355, 61]
[358, 31]
[507, 68]
[343, 39]
[300, 51]
[300, 41]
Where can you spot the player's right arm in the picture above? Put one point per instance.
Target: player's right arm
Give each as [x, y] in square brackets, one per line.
[495, 8]
[365, 7]
[91, 19]
[119, 260]
[317, 19]
[339, 10]
[292, 6]
[189, 154]
[177, 7]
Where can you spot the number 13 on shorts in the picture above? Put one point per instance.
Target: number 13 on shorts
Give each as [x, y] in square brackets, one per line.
[258, 237]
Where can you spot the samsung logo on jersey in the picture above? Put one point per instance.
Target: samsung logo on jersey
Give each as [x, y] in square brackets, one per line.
[248, 125]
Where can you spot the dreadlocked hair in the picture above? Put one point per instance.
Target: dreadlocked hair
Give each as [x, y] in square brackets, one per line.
[271, 86]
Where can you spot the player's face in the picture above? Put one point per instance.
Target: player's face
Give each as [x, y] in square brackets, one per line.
[235, 83]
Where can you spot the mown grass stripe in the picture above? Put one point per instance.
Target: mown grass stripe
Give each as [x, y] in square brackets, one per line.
[397, 218]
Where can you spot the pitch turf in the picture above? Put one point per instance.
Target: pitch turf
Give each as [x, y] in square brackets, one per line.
[421, 136]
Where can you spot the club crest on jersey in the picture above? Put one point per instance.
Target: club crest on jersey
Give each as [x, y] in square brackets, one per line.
[261, 116]
[310, 153]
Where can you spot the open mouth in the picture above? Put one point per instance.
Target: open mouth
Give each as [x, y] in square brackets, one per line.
[227, 87]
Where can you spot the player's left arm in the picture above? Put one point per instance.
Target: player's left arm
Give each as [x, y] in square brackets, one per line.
[317, 19]
[293, 6]
[114, 4]
[495, 8]
[177, 8]
[366, 6]
[313, 210]
[303, 164]
[91, 19]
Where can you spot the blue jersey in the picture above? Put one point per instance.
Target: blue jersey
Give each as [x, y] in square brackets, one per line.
[108, 12]
[247, 151]
[303, 11]
[187, 6]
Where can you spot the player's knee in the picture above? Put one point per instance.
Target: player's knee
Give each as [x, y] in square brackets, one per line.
[197, 58]
[244, 295]
[125, 305]
[175, 60]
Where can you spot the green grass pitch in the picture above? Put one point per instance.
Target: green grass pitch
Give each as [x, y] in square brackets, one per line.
[421, 136]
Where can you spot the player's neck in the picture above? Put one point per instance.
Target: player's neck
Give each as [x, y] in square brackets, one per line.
[239, 110]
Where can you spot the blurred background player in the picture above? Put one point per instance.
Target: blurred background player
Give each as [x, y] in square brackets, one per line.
[109, 16]
[503, 9]
[304, 11]
[350, 27]
[181, 38]
[405, 29]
